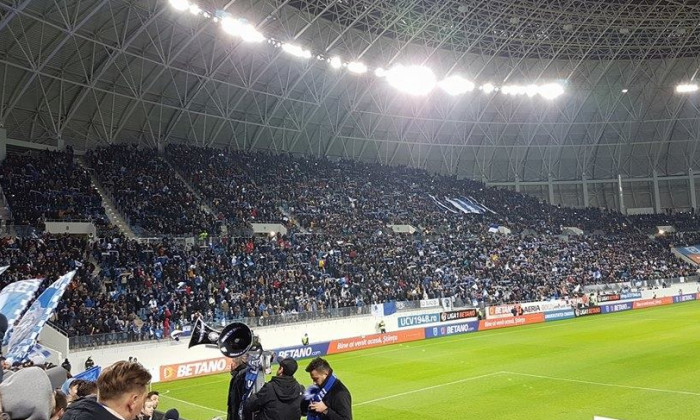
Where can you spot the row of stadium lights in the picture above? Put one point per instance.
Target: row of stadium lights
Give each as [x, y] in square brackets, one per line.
[411, 79]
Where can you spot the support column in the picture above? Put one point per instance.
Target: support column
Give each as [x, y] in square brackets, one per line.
[550, 188]
[60, 143]
[657, 196]
[691, 186]
[623, 210]
[3, 144]
[161, 148]
[585, 190]
[517, 183]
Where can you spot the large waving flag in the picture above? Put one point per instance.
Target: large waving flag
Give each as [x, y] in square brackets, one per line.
[2, 269]
[25, 334]
[14, 298]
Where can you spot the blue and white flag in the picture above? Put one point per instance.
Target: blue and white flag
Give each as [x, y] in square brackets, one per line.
[26, 332]
[441, 205]
[39, 354]
[2, 269]
[384, 309]
[14, 299]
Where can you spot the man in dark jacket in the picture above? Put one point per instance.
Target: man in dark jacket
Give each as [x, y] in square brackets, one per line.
[278, 399]
[235, 389]
[121, 389]
[328, 398]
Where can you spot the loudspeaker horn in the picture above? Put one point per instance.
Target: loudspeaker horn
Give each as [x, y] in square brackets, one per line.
[233, 341]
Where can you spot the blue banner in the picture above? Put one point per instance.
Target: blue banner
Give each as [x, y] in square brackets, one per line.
[26, 332]
[617, 307]
[684, 298]
[459, 328]
[14, 298]
[631, 295]
[559, 314]
[301, 352]
[413, 320]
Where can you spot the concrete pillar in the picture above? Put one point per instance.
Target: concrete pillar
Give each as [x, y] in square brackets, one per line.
[550, 188]
[623, 210]
[517, 183]
[691, 186]
[585, 190]
[657, 196]
[3, 144]
[60, 143]
[161, 148]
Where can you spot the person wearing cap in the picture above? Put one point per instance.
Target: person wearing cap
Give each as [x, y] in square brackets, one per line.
[27, 394]
[279, 399]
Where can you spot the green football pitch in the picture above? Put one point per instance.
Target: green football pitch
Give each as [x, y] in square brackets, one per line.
[633, 365]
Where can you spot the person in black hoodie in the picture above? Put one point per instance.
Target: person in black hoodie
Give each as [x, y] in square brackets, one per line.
[121, 393]
[328, 398]
[235, 389]
[279, 399]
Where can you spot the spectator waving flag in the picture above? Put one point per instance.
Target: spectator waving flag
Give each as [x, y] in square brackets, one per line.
[14, 298]
[25, 334]
[384, 309]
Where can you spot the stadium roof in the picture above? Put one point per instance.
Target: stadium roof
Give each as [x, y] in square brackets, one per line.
[103, 71]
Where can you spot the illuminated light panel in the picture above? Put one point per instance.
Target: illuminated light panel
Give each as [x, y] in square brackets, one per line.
[357, 67]
[195, 10]
[336, 62]
[487, 88]
[296, 51]
[686, 88]
[180, 5]
[380, 72]
[551, 90]
[413, 80]
[456, 85]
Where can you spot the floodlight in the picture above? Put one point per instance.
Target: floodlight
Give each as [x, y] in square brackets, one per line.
[380, 72]
[357, 67]
[296, 51]
[686, 88]
[531, 90]
[456, 85]
[249, 34]
[625, 90]
[413, 80]
[180, 5]
[194, 9]
[551, 90]
[488, 88]
[336, 62]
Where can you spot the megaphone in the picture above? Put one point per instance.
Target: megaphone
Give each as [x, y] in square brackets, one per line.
[233, 341]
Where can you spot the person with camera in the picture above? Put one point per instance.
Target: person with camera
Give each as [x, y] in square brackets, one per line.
[328, 398]
[279, 399]
[236, 387]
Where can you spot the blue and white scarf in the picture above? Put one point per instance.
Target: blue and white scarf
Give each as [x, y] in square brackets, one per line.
[315, 393]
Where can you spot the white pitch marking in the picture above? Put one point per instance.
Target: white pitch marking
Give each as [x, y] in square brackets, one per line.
[193, 404]
[473, 378]
[641, 388]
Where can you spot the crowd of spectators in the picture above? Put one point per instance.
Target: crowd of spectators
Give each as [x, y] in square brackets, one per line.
[149, 193]
[44, 185]
[342, 256]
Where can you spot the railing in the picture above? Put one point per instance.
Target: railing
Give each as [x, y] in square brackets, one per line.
[106, 339]
[646, 284]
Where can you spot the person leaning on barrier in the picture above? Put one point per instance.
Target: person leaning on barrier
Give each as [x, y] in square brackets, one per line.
[328, 398]
[279, 399]
[121, 393]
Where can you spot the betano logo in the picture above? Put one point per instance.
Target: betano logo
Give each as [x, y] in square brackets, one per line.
[192, 369]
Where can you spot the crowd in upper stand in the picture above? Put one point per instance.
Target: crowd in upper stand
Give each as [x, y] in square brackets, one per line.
[49, 186]
[148, 192]
[338, 252]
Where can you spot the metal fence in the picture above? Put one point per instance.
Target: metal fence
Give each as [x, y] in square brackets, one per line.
[99, 340]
